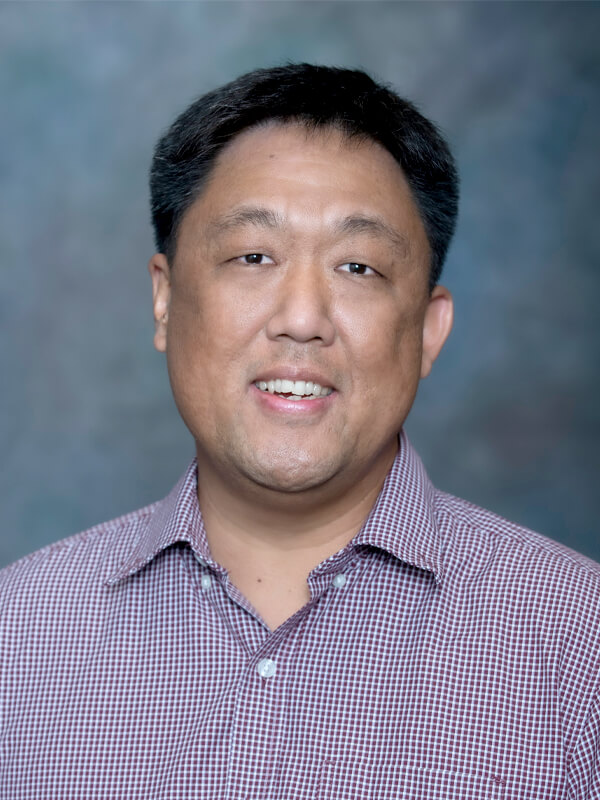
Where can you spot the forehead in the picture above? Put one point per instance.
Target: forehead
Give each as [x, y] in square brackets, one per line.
[272, 146]
[310, 179]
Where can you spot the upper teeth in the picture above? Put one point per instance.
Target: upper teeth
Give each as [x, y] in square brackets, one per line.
[297, 388]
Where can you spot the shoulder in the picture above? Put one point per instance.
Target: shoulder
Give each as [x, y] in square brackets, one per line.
[468, 528]
[531, 585]
[530, 603]
[72, 565]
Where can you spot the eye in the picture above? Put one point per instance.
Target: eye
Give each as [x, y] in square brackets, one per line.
[355, 268]
[255, 258]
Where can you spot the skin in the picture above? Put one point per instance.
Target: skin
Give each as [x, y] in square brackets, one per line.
[262, 287]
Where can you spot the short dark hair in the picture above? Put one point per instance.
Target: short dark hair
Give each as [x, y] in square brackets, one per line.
[314, 96]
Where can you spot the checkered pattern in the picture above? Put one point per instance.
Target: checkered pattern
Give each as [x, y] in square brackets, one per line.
[458, 659]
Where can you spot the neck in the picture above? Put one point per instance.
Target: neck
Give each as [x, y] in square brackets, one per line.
[258, 523]
[269, 541]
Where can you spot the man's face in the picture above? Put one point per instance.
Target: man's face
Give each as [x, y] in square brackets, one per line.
[304, 259]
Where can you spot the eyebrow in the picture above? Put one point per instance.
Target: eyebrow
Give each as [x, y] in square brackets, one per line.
[260, 217]
[248, 215]
[358, 223]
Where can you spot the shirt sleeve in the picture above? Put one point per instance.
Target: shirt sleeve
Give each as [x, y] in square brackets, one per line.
[584, 762]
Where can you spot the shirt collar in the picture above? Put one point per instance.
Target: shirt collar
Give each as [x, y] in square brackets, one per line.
[177, 518]
[402, 521]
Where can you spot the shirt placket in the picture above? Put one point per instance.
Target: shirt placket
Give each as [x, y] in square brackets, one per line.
[259, 720]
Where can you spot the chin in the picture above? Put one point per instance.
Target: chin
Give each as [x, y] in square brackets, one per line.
[300, 475]
[290, 484]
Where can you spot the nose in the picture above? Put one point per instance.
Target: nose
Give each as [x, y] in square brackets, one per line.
[302, 306]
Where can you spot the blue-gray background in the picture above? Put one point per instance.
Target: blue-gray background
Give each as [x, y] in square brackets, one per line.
[509, 419]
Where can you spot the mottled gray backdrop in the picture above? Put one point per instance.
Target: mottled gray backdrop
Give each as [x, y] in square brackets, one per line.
[510, 417]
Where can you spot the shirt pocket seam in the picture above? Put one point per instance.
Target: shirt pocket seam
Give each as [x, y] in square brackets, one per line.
[417, 779]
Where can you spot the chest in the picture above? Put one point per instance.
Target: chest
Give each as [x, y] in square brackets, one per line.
[378, 687]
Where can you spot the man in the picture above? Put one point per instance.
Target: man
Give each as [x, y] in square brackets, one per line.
[304, 616]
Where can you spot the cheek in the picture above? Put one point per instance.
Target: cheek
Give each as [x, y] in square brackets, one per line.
[386, 341]
[387, 368]
[209, 328]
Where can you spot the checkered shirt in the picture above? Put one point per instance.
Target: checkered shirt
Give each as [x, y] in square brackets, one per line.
[445, 654]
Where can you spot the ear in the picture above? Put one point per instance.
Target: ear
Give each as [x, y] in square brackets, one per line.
[159, 270]
[436, 327]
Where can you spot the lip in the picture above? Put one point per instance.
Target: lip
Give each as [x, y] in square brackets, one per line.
[295, 374]
[274, 403]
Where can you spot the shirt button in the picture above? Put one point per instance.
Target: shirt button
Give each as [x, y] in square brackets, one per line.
[200, 560]
[266, 668]
[206, 581]
[339, 580]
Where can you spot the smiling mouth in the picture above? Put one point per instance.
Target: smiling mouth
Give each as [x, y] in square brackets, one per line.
[294, 390]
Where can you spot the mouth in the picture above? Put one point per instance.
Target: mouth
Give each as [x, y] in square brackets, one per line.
[294, 390]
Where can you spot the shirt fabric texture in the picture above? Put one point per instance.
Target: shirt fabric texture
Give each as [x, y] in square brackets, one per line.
[444, 653]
